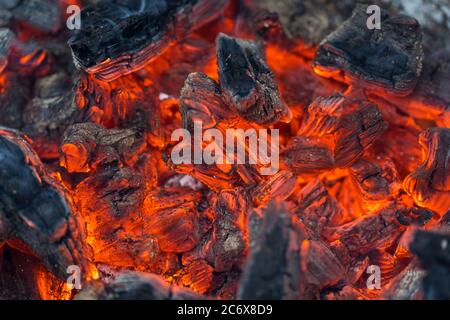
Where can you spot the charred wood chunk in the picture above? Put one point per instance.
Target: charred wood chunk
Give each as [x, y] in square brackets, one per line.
[117, 196]
[113, 192]
[170, 215]
[414, 216]
[230, 238]
[49, 113]
[37, 209]
[87, 146]
[433, 252]
[320, 266]
[318, 210]
[306, 155]
[322, 116]
[126, 102]
[429, 184]
[198, 276]
[135, 286]
[201, 100]
[385, 60]
[356, 133]
[374, 231]
[272, 269]
[118, 38]
[352, 125]
[374, 182]
[247, 83]
[278, 186]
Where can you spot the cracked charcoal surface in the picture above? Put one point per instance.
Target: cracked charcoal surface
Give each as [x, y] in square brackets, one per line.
[35, 209]
[117, 39]
[385, 60]
[247, 83]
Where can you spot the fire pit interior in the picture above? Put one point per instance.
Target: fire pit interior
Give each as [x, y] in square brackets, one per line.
[93, 205]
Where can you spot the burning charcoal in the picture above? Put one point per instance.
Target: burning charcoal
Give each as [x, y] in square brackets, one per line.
[135, 286]
[247, 82]
[375, 183]
[318, 210]
[117, 39]
[433, 252]
[230, 233]
[374, 231]
[319, 265]
[117, 196]
[306, 155]
[353, 125]
[414, 216]
[279, 186]
[86, 146]
[126, 102]
[171, 217]
[272, 269]
[429, 184]
[322, 116]
[212, 177]
[198, 276]
[6, 41]
[44, 15]
[49, 113]
[201, 100]
[37, 209]
[386, 60]
[356, 133]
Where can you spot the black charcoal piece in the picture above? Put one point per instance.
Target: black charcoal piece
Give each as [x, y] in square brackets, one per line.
[386, 60]
[247, 83]
[36, 209]
[50, 112]
[119, 37]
